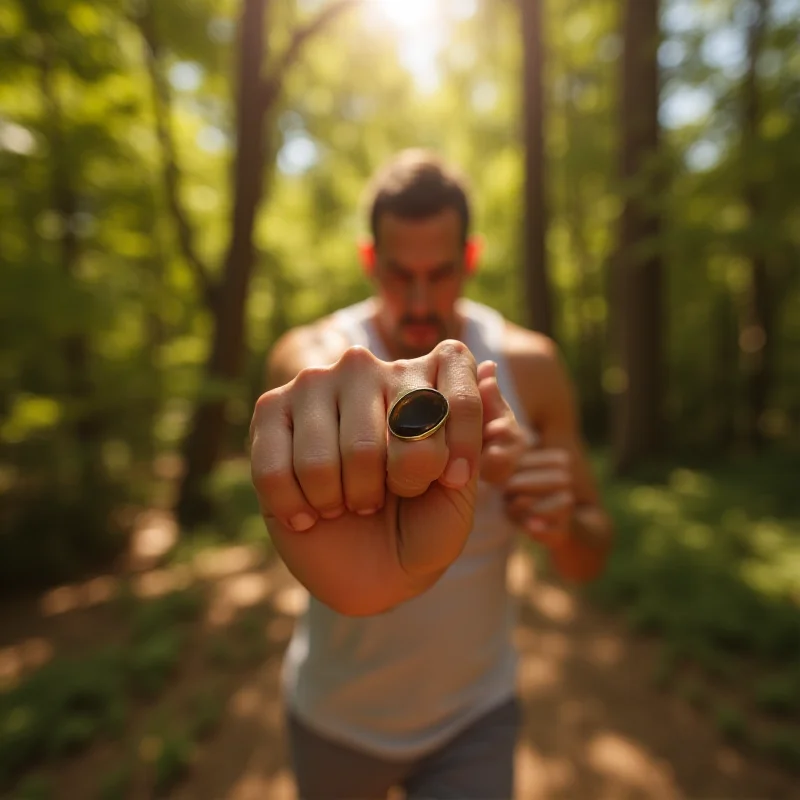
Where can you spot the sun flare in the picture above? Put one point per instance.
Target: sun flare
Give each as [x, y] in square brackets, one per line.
[406, 15]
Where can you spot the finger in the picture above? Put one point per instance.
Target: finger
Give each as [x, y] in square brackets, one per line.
[545, 457]
[411, 467]
[272, 465]
[456, 378]
[500, 429]
[486, 369]
[497, 463]
[538, 481]
[315, 419]
[521, 506]
[362, 431]
[495, 406]
[554, 504]
[502, 446]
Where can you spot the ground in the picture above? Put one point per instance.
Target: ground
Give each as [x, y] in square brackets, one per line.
[204, 721]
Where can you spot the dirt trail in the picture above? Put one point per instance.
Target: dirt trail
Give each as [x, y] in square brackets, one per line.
[595, 727]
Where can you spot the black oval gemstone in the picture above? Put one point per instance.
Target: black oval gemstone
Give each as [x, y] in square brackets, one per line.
[418, 413]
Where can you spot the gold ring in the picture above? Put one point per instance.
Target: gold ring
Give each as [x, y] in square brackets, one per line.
[418, 414]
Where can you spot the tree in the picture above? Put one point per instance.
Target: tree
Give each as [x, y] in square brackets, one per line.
[256, 97]
[638, 289]
[756, 337]
[539, 305]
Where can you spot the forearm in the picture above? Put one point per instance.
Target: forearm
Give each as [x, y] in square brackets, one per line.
[580, 554]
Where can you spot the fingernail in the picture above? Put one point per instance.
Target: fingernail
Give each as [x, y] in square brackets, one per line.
[332, 513]
[457, 473]
[302, 521]
[366, 512]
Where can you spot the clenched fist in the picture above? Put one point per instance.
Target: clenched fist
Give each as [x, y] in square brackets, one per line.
[365, 520]
[540, 494]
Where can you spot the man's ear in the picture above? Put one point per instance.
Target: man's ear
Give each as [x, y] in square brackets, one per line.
[472, 254]
[366, 254]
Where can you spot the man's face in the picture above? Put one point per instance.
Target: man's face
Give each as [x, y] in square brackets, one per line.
[419, 271]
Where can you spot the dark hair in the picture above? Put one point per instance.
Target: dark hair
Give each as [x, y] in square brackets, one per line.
[416, 184]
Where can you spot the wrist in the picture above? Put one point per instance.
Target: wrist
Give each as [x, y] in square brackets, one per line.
[580, 554]
[587, 527]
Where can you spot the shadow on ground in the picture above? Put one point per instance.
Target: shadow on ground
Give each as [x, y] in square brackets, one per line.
[595, 726]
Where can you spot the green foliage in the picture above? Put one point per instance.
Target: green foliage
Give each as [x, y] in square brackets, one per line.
[731, 723]
[173, 761]
[167, 751]
[207, 709]
[784, 746]
[71, 702]
[152, 662]
[115, 784]
[709, 559]
[60, 709]
[35, 787]
[779, 694]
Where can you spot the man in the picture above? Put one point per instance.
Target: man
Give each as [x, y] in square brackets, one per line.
[402, 670]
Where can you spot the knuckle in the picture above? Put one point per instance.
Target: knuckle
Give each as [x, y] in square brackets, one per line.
[309, 377]
[356, 356]
[270, 481]
[317, 469]
[405, 485]
[466, 404]
[266, 403]
[363, 452]
[453, 348]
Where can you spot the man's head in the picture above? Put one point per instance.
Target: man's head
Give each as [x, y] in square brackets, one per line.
[421, 250]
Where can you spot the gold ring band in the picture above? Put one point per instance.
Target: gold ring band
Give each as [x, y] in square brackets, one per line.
[418, 414]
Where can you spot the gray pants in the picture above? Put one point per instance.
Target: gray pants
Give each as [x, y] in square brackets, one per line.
[478, 764]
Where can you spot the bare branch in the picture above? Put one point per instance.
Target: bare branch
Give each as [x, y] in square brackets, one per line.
[162, 104]
[274, 82]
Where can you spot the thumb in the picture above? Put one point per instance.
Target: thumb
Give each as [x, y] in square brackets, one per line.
[494, 404]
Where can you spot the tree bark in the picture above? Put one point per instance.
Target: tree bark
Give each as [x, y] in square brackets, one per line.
[538, 300]
[208, 424]
[591, 333]
[755, 339]
[639, 418]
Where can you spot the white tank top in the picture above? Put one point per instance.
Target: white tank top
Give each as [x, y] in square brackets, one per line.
[400, 683]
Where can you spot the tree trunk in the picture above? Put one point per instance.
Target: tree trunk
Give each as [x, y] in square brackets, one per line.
[639, 420]
[538, 300]
[723, 374]
[223, 366]
[755, 339]
[591, 333]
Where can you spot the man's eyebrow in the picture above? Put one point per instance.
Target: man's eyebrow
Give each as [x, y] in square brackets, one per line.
[444, 266]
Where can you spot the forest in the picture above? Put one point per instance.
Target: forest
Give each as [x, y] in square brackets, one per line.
[182, 182]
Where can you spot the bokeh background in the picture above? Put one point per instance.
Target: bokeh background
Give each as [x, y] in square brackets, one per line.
[181, 182]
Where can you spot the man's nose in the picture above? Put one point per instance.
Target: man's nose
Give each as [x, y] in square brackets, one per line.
[419, 297]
